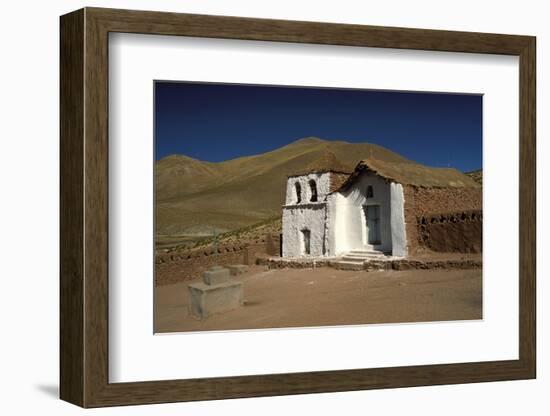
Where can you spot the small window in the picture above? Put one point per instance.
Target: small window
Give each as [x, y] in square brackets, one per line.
[306, 241]
[370, 192]
[313, 187]
[298, 189]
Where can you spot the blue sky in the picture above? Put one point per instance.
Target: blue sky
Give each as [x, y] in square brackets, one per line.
[216, 122]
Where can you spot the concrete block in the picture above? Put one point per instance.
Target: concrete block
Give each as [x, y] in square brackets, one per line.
[216, 275]
[206, 300]
[237, 269]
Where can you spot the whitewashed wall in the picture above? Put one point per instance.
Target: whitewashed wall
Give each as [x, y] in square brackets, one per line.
[338, 231]
[397, 219]
[349, 231]
[299, 217]
[321, 179]
[305, 215]
[340, 225]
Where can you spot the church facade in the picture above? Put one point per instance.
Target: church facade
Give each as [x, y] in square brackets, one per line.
[331, 210]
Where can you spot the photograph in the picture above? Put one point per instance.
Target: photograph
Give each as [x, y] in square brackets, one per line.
[300, 206]
[283, 206]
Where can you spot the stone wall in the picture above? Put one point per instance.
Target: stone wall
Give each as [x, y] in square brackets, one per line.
[453, 232]
[185, 265]
[377, 265]
[421, 202]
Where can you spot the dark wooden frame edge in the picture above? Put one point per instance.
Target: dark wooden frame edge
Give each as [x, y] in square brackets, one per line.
[84, 207]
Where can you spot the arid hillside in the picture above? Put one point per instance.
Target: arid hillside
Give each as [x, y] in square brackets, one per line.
[194, 198]
[476, 175]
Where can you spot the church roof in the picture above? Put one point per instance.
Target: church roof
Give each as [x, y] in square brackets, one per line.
[327, 162]
[412, 174]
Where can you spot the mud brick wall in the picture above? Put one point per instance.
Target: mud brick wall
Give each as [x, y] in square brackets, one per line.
[452, 232]
[186, 265]
[337, 180]
[422, 202]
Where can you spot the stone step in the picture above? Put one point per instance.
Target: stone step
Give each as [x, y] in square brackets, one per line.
[347, 265]
[351, 261]
[367, 252]
[357, 257]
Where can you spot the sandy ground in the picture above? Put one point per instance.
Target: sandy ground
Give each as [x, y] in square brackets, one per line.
[325, 296]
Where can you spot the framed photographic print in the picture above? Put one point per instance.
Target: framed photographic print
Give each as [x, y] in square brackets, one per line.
[255, 207]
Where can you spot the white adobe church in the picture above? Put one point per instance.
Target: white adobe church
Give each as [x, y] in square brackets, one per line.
[331, 210]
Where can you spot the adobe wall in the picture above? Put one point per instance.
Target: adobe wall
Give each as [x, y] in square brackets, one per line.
[189, 264]
[454, 232]
[422, 202]
[410, 220]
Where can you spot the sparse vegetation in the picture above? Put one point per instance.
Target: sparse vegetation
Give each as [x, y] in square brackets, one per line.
[476, 175]
[238, 197]
[193, 196]
[258, 230]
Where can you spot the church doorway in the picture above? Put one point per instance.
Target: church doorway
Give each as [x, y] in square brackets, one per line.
[372, 225]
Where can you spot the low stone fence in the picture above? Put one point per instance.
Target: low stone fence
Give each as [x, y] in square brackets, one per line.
[451, 232]
[283, 263]
[185, 265]
[425, 265]
[376, 265]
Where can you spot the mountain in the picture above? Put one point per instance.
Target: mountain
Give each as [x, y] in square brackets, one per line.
[193, 197]
[476, 175]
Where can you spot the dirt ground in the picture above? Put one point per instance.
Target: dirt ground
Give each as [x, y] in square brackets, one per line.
[325, 296]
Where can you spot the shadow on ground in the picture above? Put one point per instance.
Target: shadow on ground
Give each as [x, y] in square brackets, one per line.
[51, 390]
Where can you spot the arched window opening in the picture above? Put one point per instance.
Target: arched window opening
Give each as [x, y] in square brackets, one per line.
[313, 187]
[298, 189]
[370, 192]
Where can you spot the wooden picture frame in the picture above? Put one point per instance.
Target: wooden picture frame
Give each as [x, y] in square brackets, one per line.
[84, 207]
